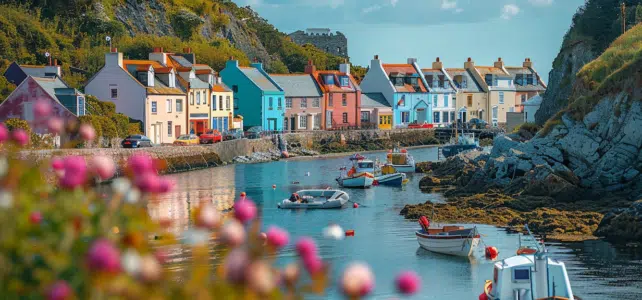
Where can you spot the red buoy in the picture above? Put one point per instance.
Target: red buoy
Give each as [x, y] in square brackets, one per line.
[274, 186]
[243, 194]
[375, 183]
[491, 252]
[349, 232]
[355, 205]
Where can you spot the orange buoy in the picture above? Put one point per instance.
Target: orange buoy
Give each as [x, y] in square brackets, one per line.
[243, 194]
[491, 252]
[356, 205]
[349, 232]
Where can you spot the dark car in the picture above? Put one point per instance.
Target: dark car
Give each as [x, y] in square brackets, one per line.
[136, 141]
[254, 132]
[477, 123]
[233, 134]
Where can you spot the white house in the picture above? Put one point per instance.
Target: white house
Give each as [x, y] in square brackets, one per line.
[531, 106]
[443, 94]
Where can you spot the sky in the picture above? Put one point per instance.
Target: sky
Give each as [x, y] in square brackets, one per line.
[452, 30]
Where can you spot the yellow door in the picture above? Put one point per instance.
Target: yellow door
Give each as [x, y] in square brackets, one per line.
[385, 121]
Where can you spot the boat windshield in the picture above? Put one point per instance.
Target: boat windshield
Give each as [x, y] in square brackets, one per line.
[366, 165]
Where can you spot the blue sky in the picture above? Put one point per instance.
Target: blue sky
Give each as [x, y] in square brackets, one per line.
[425, 29]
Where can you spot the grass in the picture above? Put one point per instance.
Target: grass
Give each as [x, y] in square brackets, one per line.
[552, 122]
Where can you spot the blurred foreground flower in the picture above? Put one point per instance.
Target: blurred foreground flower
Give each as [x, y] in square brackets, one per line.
[357, 280]
[334, 232]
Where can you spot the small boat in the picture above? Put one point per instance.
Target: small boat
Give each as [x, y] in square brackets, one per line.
[388, 175]
[450, 240]
[317, 199]
[401, 160]
[465, 142]
[360, 174]
[529, 276]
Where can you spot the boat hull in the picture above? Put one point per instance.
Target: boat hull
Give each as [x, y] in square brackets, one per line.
[396, 179]
[449, 245]
[334, 204]
[404, 168]
[453, 150]
[356, 182]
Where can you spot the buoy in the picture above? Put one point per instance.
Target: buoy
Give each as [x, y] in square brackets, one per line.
[356, 205]
[243, 194]
[491, 252]
[285, 154]
[375, 183]
[274, 186]
[350, 232]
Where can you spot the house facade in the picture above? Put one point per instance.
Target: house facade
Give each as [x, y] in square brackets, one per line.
[67, 103]
[376, 112]
[528, 83]
[257, 97]
[304, 102]
[443, 94]
[405, 89]
[530, 107]
[501, 91]
[222, 105]
[143, 90]
[471, 100]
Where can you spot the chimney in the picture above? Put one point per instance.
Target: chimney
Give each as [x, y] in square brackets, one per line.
[114, 58]
[412, 61]
[310, 68]
[158, 49]
[345, 67]
[375, 61]
[528, 63]
[376, 57]
[114, 50]
[53, 69]
[437, 64]
[159, 56]
[499, 63]
[470, 64]
[256, 64]
[187, 50]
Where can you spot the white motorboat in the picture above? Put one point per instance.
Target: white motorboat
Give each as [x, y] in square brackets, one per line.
[360, 174]
[450, 240]
[401, 160]
[315, 199]
[529, 277]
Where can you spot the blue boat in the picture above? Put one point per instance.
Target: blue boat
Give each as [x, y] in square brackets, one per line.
[465, 142]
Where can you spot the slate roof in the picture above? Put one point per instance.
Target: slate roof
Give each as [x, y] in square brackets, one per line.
[514, 71]
[181, 60]
[406, 70]
[374, 100]
[471, 87]
[302, 85]
[51, 84]
[33, 71]
[160, 88]
[534, 101]
[259, 79]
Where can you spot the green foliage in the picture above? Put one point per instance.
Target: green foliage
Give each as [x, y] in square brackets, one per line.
[94, 121]
[531, 128]
[13, 124]
[6, 87]
[134, 128]
[113, 124]
[638, 14]
[185, 23]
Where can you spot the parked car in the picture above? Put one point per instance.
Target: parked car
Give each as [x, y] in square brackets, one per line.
[186, 139]
[477, 123]
[136, 141]
[416, 125]
[211, 137]
[233, 134]
[254, 132]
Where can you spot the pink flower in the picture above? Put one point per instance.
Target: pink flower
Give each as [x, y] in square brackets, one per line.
[150, 269]
[165, 185]
[208, 217]
[148, 183]
[235, 264]
[103, 257]
[161, 255]
[55, 125]
[35, 217]
[103, 166]
[260, 278]
[75, 172]
[233, 233]
[57, 164]
[141, 163]
[277, 237]
[408, 282]
[4, 133]
[244, 210]
[42, 108]
[20, 137]
[87, 132]
[291, 274]
[357, 280]
[306, 247]
[60, 290]
[312, 264]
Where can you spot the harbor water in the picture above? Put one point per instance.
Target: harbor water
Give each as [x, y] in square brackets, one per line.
[384, 239]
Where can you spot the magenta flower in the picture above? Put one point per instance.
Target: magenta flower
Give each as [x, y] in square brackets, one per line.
[408, 282]
[208, 217]
[141, 164]
[244, 210]
[20, 137]
[306, 247]
[57, 164]
[103, 257]
[235, 265]
[87, 132]
[55, 125]
[312, 264]
[166, 185]
[148, 183]
[233, 233]
[60, 290]
[277, 237]
[75, 172]
[4, 133]
[42, 108]
[35, 217]
[103, 166]
[357, 280]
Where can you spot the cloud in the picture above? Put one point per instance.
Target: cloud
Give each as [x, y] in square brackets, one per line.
[509, 11]
[541, 2]
[393, 2]
[370, 9]
[451, 5]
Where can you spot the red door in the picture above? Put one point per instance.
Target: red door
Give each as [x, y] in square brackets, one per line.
[200, 127]
[177, 131]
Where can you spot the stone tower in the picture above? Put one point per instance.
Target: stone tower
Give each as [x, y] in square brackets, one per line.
[323, 38]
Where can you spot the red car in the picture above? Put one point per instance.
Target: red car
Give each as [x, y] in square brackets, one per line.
[211, 137]
[417, 125]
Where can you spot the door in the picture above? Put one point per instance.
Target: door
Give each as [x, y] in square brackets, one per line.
[215, 123]
[156, 134]
[292, 123]
[226, 124]
[272, 124]
[421, 115]
[328, 119]
[385, 122]
[177, 131]
[200, 127]
[464, 118]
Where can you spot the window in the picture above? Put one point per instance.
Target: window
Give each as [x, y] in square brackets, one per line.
[198, 98]
[278, 100]
[464, 82]
[429, 80]
[445, 100]
[345, 117]
[519, 79]
[329, 79]
[445, 117]
[169, 128]
[330, 100]
[523, 98]
[405, 117]
[317, 122]
[81, 106]
[235, 88]
[220, 102]
[489, 79]
[114, 93]
[435, 117]
[441, 81]
[402, 101]
[316, 102]
[452, 115]
[365, 117]
[204, 98]
[434, 100]
[191, 98]
[153, 107]
[303, 122]
[288, 102]
[344, 100]
[470, 101]
[27, 111]
[501, 97]
[179, 105]
[270, 103]
[168, 105]
[511, 109]
[213, 102]
[344, 81]
[494, 113]
[530, 79]
[227, 103]
[304, 103]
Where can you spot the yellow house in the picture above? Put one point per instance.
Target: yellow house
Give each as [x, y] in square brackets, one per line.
[500, 87]
[222, 106]
[472, 100]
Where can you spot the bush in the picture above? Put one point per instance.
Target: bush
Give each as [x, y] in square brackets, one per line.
[134, 128]
[13, 124]
[94, 121]
[185, 23]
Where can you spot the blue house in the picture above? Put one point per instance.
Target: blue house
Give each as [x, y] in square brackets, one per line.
[404, 87]
[257, 97]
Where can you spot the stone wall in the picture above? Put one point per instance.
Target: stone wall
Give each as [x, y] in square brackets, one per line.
[334, 43]
[359, 140]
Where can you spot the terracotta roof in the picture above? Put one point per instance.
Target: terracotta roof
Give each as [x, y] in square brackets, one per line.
[154, 64]
[455, 70]
[204, 71]
[184, 69]
[220, 88]
[160, 88]
[31, 66]
[164, 70]
[336, 87]
[490, 70]
[142, 67]
[399, 68]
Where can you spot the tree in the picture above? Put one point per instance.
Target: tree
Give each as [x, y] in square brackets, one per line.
[638, 14]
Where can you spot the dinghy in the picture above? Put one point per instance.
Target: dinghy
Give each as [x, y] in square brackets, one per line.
[450, 240]
[316, 199]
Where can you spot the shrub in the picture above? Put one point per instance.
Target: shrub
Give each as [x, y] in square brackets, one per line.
[185, 23]
[94, 121]
[134, 128]
[13, 124]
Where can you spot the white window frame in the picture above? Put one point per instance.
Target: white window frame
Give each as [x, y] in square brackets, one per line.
[288, 102]
[179, 101]
[304, 102]
[168, 104]
[501, 97]
[303, 122]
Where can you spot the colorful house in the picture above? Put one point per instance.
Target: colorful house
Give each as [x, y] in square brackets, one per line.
[443, 94]
[472, 99]
[341, 95]
[304, 102]
[404, 87]
[16, 73]
[499, 85]
[222, 106]
[144, 90]
[376, 112]
[528, 83]
[67, 103]
[257, 97]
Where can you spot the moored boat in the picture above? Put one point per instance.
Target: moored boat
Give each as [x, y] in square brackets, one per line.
[450, 240]
[463, 143]
[360, 174]
[315, 199]
[401, 160]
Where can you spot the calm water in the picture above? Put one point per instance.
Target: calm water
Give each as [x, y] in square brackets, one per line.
[383, 239]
